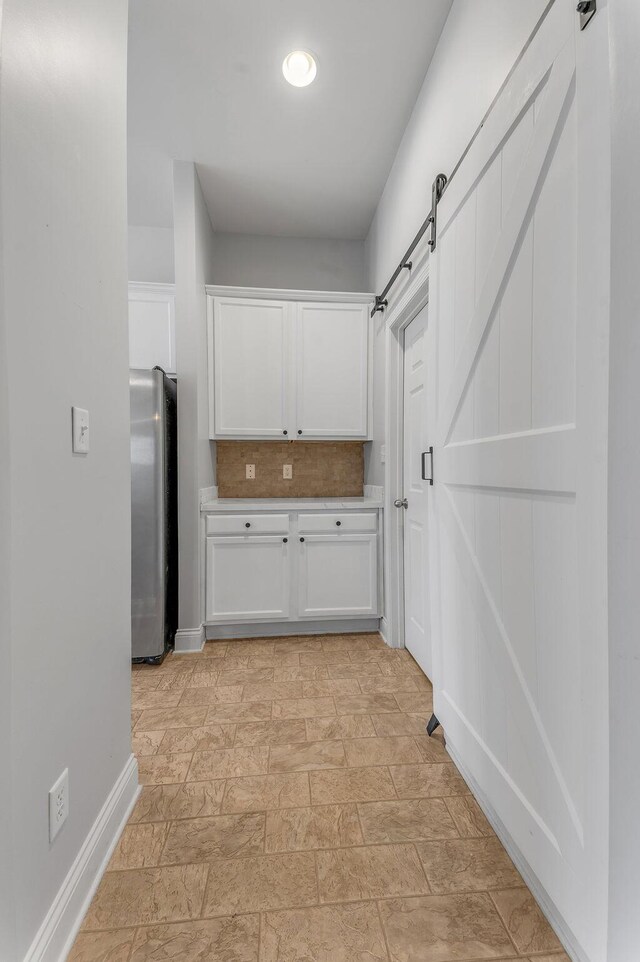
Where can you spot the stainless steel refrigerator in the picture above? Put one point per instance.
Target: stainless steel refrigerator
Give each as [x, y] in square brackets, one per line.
[154, 515]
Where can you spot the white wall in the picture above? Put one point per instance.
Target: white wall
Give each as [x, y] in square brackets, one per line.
[64, 323]
[151, 256]
[194, 245]
[476, 50]
[624, 470]
[296, 263]
[7, 906]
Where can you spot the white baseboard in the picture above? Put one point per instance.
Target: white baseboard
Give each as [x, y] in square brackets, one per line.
[189, 640]
[208, 494]
[60, 926]
[287, 628]
[385, 632]
[555, 920]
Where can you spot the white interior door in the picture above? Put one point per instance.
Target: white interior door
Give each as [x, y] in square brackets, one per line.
[518, 277]
[417, 633]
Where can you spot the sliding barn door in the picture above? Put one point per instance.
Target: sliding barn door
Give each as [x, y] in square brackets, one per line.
[519, 307]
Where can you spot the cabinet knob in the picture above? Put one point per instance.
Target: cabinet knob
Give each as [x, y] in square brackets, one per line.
[338, 523]
[302, 539]
[247, 524]
[285, 432]
[284, 540]
[299, 432]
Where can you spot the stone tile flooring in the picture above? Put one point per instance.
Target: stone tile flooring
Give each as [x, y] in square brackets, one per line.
[294, 810]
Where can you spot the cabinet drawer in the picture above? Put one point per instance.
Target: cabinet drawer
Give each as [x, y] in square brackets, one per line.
[247, 523]
[363, 521]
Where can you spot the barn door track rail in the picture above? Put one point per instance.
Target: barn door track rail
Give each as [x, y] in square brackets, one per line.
[437, 191]
[585, 10]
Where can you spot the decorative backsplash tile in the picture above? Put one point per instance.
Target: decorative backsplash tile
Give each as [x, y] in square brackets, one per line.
[321, 469]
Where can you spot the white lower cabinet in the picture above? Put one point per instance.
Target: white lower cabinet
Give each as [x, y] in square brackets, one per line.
[319, 566]
[247, 578]
[338, 576]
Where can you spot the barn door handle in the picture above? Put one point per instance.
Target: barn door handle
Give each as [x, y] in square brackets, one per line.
[425, 455]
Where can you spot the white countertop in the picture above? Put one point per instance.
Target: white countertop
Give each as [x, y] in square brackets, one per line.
[290, 504]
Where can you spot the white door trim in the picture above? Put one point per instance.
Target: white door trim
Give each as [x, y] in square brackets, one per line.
[413, 297]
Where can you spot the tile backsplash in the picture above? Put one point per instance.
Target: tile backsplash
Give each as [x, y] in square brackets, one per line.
[321, 469]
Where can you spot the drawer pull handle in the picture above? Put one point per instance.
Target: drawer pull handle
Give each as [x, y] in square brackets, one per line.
[338, 523]
[284, 540]
[301, 539]
[247, 524]
[299, 432]
[285, 432]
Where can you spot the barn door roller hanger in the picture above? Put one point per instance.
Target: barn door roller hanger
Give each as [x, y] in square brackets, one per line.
[586, 9]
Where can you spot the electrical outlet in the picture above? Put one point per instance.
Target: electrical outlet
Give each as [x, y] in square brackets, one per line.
[58, 804]
[250, 472]
[287, 472]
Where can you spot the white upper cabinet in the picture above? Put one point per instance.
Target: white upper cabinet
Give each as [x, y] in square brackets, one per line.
[289, 368]
[251, 381]
[152, 337]
[332, 370]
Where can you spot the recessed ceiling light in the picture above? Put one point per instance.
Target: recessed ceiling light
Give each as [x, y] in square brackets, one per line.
[299, 68]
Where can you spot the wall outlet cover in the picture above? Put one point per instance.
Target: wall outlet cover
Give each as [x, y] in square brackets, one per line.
[250, 472]
[58, 804]
[287, 472]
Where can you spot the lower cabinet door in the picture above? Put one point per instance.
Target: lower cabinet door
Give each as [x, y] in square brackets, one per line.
[247, 579]
[337, 575]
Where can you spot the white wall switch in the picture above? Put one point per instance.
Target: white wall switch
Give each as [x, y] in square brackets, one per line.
[80, 430]
[250, 472]
[287, 472]
[383, 453]
[58, 804]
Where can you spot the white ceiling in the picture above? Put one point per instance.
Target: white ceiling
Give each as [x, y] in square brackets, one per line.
[205, 84]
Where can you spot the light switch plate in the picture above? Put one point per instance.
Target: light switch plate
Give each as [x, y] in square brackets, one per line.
[287, 472]
[250, 472]
[383, 453]
[80, 430]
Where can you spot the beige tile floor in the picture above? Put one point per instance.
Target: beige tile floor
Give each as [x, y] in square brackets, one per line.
[293, 810]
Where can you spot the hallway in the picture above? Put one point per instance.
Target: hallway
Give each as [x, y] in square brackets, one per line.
[293, 809]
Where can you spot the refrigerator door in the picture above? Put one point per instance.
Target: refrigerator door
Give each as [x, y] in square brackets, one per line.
[148, 514]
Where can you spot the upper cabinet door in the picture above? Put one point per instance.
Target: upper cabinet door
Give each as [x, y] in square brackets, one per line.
[251, 363]
[332, 370]
[152, 334]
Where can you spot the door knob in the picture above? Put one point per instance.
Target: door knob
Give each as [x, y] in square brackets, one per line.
[401, 503]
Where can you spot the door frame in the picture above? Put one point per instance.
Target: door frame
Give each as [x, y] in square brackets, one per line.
[412, 298]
